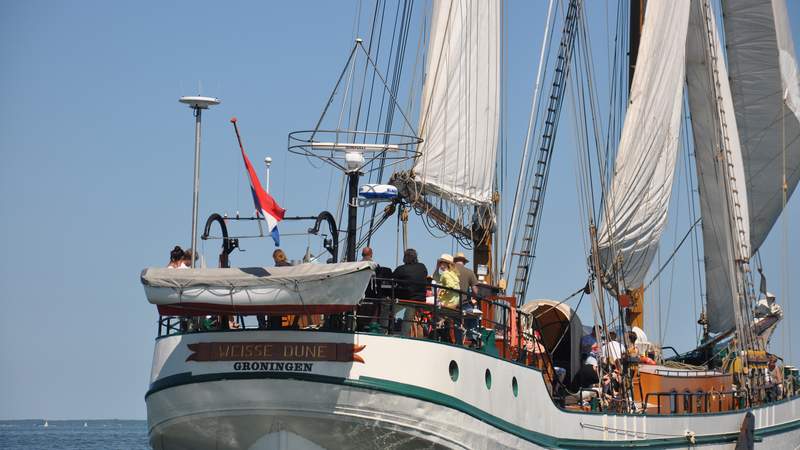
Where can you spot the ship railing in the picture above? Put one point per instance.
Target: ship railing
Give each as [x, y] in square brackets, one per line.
[687, 373]
[386, 295]
[674, 402]
[486, 322]
[711, 401]
[482, 321]
[474, 321]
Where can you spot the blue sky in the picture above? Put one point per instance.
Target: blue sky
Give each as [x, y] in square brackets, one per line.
[96, 173]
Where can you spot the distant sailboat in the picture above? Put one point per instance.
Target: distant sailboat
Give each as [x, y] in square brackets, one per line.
[46, 424]
[85, 425]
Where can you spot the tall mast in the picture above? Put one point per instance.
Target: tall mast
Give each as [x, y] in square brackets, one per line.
[636, 19]
[635, 310]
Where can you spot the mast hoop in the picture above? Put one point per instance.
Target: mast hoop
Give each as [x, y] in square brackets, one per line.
[333, 146]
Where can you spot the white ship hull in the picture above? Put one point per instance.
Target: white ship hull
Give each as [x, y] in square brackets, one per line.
[403, 396]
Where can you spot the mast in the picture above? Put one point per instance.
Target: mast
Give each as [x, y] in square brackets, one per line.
[482, 248]
[635, 310]
[636, 22]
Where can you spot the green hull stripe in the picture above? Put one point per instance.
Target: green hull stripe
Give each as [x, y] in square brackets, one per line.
[448, 401]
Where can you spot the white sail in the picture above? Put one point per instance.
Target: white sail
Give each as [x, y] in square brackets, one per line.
[460, 108]
[636, 210]
[714, 129]
[766, 94]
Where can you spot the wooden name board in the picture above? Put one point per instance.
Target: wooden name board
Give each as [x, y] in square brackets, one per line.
[274, 351]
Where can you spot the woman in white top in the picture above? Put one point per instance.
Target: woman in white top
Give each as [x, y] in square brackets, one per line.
[175, 258]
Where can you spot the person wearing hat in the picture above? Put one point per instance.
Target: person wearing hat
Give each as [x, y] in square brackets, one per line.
[447, 277]
[466, 277]
[467, 282]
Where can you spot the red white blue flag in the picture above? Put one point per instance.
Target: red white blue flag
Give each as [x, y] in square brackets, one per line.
[266, 206]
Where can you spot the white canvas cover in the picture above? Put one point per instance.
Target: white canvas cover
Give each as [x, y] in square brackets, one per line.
[636, 210]
[721, 237]
[460, 108]
[766, 94]
[316, 288]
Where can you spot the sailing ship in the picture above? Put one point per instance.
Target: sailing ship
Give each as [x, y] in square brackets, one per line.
[333, 366]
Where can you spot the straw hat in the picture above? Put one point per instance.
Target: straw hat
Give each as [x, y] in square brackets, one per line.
[460, 256]
[446, 257]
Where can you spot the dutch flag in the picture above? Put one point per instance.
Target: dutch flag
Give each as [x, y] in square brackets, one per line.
[266, 206]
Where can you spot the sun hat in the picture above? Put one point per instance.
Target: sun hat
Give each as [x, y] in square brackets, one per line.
[461, 256]
[446, 257]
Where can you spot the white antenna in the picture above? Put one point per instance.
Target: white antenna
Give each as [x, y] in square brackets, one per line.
[268, 163]
[198, 104]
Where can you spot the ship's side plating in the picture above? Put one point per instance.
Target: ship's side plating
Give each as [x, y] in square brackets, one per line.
[405, 394]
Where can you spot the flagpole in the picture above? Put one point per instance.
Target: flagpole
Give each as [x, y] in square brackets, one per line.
[198, 104]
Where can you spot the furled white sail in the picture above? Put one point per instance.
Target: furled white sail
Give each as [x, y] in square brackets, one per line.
[460, 108]
[719, 165]
[766, 93]
[636, 210]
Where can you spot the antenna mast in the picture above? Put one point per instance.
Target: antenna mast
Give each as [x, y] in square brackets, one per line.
[198, 104]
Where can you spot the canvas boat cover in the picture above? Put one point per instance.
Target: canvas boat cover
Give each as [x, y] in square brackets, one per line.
[306, 288]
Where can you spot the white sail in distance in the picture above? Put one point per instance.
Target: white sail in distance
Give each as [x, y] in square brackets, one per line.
[766, 94]
[721, 179]
[460, 108]
[636, 208]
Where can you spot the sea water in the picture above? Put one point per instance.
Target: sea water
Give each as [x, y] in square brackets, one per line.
[72, 434]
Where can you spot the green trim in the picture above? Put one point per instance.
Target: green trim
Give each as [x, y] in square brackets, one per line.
[424, 394]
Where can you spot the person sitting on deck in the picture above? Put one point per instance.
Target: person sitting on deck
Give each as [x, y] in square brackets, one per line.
[612, 388]
[411, 278]
[612, 350]
[586, 378]
[175, 257]
[774, 379]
